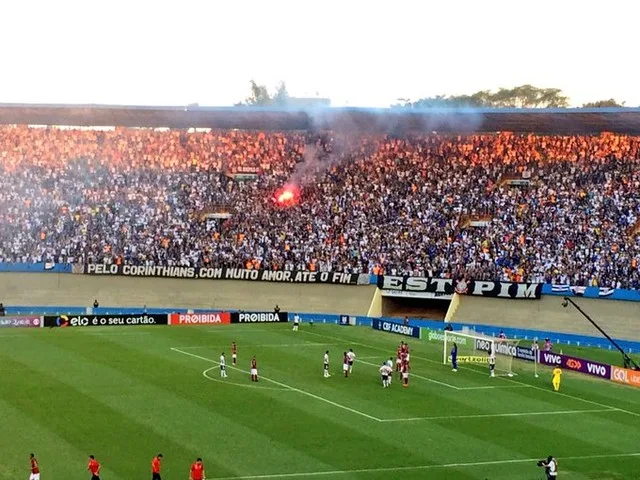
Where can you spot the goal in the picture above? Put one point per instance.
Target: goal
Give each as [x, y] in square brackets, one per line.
[474, 348]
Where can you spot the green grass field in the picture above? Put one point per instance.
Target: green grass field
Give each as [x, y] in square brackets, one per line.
[127, 394]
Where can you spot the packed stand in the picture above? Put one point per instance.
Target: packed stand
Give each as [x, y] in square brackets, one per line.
[367, 203]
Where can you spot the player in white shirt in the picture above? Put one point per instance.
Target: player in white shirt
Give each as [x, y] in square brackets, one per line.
[492, 361]
[390, 365]
[296, 322]
[351, 357]
[223, 366]
[385, 371]
[325, 365]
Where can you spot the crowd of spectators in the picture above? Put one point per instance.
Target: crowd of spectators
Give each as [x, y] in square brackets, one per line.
[366, 203]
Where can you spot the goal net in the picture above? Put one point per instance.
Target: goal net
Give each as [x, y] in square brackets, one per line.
[475, 349]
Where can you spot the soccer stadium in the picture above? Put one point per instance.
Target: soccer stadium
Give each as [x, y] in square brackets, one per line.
[445, 288]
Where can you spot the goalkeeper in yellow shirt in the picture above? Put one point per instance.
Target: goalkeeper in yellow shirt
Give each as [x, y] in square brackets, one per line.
[557, 374]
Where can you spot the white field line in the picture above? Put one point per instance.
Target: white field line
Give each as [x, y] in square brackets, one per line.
[206, 375]
[308, 394]
[499, 415]
[413, 375]
[310, 344]
[506, 379]
[419, 467]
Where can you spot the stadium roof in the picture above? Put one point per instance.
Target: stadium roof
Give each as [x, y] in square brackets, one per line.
[395, 121]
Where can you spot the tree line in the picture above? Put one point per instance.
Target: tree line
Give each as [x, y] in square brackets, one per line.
[523, 96]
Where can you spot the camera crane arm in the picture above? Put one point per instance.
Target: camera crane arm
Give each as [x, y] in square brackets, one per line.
[627, 359]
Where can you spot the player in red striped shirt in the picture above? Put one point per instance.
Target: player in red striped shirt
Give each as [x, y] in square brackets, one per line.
[155, 467]
[254, 369]
[35, 470]
[405, 373]
[234, 352]
[197, 470]
[94, 468]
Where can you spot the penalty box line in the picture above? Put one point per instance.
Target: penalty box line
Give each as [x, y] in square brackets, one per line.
[416, 376]
[499, 415]
[408, 468]
[289, 387]
[516, 382]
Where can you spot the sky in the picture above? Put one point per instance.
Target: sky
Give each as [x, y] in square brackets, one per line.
[357, 53]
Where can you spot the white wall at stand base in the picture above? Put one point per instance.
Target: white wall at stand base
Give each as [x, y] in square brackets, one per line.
[453, 308]
[619, 319]
[118, 291]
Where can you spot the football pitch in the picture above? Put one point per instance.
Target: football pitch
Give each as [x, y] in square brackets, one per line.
[127, 394]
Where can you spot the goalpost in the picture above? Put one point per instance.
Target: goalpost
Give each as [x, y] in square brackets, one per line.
[474, 348]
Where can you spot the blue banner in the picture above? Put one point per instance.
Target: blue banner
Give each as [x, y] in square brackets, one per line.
[395, 327]
[591, 292]
[36, 267]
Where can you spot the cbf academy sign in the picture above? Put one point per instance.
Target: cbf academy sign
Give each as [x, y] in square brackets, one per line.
[394, 327]
[222, 273]
[447, 286]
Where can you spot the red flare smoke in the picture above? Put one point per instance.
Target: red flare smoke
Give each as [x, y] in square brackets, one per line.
[287, 195]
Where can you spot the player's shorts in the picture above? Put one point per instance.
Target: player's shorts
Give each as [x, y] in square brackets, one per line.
[155, 476]
[405, 375]
[398, 361]
[234, 356]
[345, 367]
[222, 367]
[34, 476]
[385, 377]
[408, 357]
[95, 477]
[254, 371]
[351, 363]
[326, 366]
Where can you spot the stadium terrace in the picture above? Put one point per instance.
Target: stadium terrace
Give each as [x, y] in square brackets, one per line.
[502, 206]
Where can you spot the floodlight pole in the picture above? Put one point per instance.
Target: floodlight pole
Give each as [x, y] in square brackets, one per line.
[627, 360]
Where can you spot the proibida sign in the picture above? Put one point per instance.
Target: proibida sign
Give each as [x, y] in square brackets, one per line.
[223, 273]
[446, 286]
[208, 318]
[105, 320]
[259, 317]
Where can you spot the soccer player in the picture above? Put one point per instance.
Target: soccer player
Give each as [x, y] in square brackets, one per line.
[325, 365]
[35, 469]
[405, 373]
[385, 370]
[407, 352]
[345, 364]
[398, 358]
[94, 468]
[223, 366]
[234, 353]
[352, 357]
[254, 369]
[197, 470]
[557, 377]
[296, 322]
[155, 467]
[492, 361]
[454, 357]
[390, 365]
